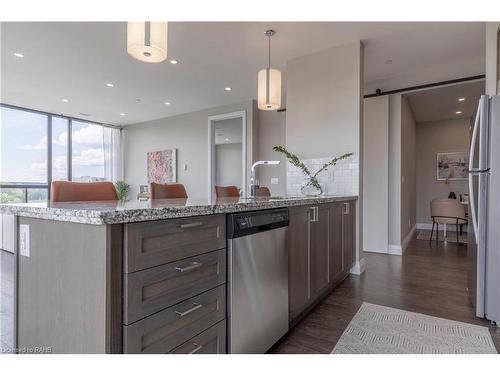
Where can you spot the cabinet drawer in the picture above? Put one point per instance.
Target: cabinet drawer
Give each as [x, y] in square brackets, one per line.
[166, 330]
[150, 244]
[149, 291]
[212, 341]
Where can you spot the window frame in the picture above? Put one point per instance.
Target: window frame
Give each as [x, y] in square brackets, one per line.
[50, 115]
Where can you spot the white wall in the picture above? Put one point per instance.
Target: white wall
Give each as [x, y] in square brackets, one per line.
[323, 102]
[376, 174]
[228, 164]
[189, 134]
[408, 171]
[395, 173]
[434, 137]
[271, 133]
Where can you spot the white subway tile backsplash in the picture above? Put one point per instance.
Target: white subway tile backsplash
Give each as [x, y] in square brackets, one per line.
[341, 179]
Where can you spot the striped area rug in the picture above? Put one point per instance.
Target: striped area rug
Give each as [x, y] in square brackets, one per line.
[383, 330]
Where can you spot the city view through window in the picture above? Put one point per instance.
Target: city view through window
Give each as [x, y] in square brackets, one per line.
[36, 149]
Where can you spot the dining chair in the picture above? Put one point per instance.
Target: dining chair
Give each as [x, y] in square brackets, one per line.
[262, 191]
[167, 191]
[69, 191]
[447, 211]
[226, 191]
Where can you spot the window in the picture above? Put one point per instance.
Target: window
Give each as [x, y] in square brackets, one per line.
[88, 152]
[24, 147]
[29, 162]
[60, 127]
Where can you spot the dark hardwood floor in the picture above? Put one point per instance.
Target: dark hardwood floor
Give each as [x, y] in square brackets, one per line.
[428, 279]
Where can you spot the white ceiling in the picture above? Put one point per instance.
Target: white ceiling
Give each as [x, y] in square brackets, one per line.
[75, 60]
[228, 131]
[441, 103]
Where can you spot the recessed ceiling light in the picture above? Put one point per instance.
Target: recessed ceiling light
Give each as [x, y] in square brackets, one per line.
[227, 88]
[65, 100]
[122, 114]
[167, 103]
[18, 54]
[109, 84]
[458, 112]
[461, 99]
[174, 62]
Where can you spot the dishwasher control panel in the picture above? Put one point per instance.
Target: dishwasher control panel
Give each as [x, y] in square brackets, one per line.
[256, 221]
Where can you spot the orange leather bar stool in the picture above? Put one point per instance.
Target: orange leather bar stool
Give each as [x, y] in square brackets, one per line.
[67, 191]
[263, 192]
[226, 191]
[167, 191]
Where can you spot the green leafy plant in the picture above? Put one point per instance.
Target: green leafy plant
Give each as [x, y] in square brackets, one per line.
[295, 161]
[122, 189]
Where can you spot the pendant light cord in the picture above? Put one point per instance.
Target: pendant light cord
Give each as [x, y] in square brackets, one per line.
[269, 53]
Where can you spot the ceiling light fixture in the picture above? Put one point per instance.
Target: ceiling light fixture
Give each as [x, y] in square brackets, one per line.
[227, 88]
[65, 100]
[227, 139]
[167, 103]
[110, 85]
[461, 99]
[122, 114]
[174, 62]
[147, 41]
[269, 82]
[18, 54]
[458, 112]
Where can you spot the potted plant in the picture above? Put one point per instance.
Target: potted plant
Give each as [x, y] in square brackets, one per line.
[122, 189]
[311, 186]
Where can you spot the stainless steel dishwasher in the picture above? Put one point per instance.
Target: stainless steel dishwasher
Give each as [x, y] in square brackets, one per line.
[258, 280]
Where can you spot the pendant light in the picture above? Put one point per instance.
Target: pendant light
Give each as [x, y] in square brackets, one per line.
[269, 83]
[147, 41]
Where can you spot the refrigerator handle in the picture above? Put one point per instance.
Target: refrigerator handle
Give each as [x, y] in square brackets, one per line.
[471, 169]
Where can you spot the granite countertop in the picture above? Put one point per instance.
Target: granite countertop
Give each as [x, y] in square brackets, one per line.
[111, 212]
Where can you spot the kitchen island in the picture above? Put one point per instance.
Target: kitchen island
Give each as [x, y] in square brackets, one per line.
[150, 277]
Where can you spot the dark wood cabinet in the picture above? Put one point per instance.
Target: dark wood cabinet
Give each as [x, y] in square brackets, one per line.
[319, 249]
[336, 212]
[321, 252]
[348, 235]
[298, 260]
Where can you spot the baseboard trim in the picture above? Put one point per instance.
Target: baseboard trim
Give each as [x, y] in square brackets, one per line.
[394, 250]
[408, 238]
[359, 267]
[383, 251]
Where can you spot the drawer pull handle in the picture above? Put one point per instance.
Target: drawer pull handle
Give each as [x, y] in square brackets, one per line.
[346, 208]
[191, 225]
[192, 266]
[197, 347]
[189, 311]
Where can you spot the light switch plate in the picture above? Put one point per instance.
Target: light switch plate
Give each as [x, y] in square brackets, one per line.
[274, 181]
[24, 240]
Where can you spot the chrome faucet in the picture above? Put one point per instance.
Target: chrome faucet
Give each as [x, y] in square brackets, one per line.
[252, 173]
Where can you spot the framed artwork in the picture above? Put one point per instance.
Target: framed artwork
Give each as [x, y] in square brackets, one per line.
[452, 165]
[162, 166]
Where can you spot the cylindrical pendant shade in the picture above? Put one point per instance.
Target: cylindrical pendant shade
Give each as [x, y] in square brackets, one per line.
[147, 41]
[269, 89]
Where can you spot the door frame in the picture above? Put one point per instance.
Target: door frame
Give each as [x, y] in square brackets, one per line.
[211, 150]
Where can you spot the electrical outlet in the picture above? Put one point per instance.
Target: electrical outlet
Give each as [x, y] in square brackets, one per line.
[274, 180]
[24, 240]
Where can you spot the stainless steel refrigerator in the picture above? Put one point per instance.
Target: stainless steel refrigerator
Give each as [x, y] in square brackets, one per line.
[483, 249]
